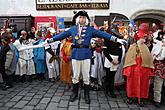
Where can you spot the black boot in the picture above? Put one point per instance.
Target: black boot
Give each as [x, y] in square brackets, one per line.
[17, 78]
[112, 94]
[30, 78]
[75, 92]
[141, 104]
[107, 82]
[23, 78]
[107, 88]
[86, 93]
[157, 104]
[111, 84]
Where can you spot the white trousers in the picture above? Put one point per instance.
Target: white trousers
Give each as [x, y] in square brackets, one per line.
[158, 83]
[53, 68]
[81, 66]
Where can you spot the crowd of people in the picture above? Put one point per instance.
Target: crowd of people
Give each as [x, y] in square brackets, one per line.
[100, 57]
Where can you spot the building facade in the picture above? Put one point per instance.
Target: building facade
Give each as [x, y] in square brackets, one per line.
[149, 10]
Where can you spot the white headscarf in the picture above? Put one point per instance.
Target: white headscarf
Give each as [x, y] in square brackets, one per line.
[77, 21]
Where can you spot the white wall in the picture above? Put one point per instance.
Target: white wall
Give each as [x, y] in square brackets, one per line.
[126, 7]
[129, 7]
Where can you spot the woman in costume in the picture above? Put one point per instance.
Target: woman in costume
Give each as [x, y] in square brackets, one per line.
[138, 67]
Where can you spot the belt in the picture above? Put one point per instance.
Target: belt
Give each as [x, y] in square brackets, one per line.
[80, 46]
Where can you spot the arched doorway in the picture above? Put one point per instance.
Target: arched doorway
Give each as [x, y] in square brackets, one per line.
[150, 16]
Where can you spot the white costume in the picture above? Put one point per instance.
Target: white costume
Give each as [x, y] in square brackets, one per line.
[97, 63]
[54, 67]
[97, 68]
[25, 65]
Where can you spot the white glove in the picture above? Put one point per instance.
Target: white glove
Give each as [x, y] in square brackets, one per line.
[121, 41]
[49, 40]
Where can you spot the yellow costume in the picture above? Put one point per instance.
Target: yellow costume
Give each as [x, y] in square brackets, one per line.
[66, 67]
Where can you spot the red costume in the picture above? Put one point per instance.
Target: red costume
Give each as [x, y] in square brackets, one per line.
[138, 67]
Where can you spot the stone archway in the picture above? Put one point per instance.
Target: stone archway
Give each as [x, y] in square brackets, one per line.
[152, 13]
[151, 16]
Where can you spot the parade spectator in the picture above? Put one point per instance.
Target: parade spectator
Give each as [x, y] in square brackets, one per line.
[14, 30]
[48, 35]
[7, 61]
[32, 33]
[12, 39]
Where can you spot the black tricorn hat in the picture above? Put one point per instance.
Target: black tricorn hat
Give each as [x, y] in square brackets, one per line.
[80, 13]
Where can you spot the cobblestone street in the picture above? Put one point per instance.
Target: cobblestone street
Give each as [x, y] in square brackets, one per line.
[44, 95]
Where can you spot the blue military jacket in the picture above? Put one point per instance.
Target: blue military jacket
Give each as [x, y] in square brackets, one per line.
[84, 39]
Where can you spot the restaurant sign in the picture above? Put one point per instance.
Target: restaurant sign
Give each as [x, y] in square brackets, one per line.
[71, 4]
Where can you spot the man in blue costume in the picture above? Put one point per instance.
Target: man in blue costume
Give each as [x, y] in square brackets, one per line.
[81, 52]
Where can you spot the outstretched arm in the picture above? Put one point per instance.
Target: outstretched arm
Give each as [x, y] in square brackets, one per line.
[101, 34]
[62, 35]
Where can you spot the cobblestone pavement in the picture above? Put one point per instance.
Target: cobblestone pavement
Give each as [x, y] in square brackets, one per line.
[44, 95]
